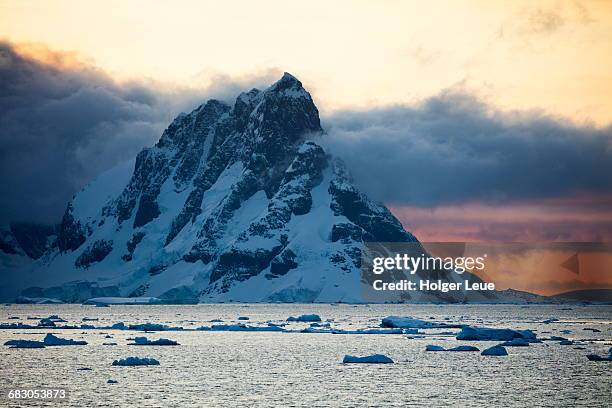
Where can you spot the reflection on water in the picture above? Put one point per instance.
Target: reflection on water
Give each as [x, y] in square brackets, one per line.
[295, 369]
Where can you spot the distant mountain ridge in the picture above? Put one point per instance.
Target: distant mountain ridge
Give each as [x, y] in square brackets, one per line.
[234, 203]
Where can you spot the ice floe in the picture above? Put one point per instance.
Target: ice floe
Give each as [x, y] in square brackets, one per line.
[433, 347]
[358, 331]
[241, 327]
[595, 357]
[305, 318]
[152, 327]
[484, 333]
[135, 361]
[143, 341]
[24, 344]
[51, 340]
[498, 350]
[412, 323]
[373, 359]
[516, 342]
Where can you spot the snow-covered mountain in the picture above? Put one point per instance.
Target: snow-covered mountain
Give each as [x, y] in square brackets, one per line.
[233, 203]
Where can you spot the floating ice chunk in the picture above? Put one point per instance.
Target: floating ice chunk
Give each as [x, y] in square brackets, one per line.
[317, 324]
[241, 327]
[595, 357]
[412, 323]
[51, 340]
[498, 350]
[87, 326]
[216, 321]
[112, 381]
[433, 347]
[135, 361]
[152, 327]
[464, 348]
[243, 318]
[17, 326]
[90, 319]
[358, 331]
[305, 318]
[143, 341]
[119, 326]
[548, 321]
[373, 359]
[517, 342]
[46, 323]
[24, 344]
[483, 333]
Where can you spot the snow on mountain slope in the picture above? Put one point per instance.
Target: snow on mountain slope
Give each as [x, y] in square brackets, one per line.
[233, 203]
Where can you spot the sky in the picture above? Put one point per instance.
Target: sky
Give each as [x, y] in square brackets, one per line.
[472, 120]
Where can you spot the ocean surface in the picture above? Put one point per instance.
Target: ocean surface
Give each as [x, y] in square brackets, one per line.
[263, 369]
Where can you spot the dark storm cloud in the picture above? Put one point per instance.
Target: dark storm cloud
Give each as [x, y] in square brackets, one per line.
[453, 149]
[62, 123]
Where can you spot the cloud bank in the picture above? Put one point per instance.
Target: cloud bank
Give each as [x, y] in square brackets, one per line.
[63, 122]
[453, 148]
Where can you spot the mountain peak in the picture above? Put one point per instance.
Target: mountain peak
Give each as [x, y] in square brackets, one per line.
[287, 82]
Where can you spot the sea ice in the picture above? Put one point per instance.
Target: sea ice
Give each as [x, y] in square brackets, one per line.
[498, 350]
[51, 340]
[241, 327]
[243, 318]
[152, 327]
[24, 344]
[135, 361]
[484, 333]
[143, 341]
[412, 323]
[516, 342]
[373, 359]
[592, 329]
[432, 347]
[305, 318]
[464, 348]
[358, 331]
[595, 357]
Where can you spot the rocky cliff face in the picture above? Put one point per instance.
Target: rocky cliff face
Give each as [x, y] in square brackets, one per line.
[235, 202]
